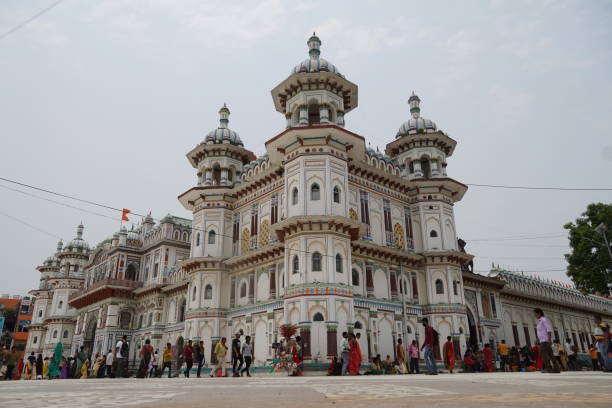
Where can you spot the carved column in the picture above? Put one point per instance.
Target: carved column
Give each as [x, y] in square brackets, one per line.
[252, 287]
[303, 115]
[233, 292]
[272, 276]
[393, 276]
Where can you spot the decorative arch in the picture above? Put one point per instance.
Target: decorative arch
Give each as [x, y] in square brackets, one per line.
[439, 287]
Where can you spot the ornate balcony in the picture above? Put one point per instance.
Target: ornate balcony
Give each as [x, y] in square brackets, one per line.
[103, 289]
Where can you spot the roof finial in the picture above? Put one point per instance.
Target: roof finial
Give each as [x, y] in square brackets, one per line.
[80, 230]
[314, 45]
[414, 103]
[224, 113]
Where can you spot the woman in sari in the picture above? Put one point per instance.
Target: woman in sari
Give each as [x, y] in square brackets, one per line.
[54, 365]
[46, 368]
[449, 354]
[354, 355]
[487, 354]
[84, 369]
[537, 355]
[96, 365]
[19, 369]
[64, 369]
[29, 370]
[294, 349]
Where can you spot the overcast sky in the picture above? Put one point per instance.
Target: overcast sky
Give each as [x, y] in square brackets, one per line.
[102, 99]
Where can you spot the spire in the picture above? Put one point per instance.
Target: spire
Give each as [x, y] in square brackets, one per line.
[60, 244]
[314, 43]
[414, 102]
[80, 230]
[224, 113]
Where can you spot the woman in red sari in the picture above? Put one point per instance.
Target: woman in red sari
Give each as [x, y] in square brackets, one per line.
[539, 363]
[354, 355]
[487, 354]
[449, 354]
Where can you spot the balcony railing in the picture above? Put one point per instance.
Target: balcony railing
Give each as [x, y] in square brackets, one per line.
[390, 237]
[253, 242]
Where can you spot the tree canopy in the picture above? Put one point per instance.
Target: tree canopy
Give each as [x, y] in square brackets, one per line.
[590, 263]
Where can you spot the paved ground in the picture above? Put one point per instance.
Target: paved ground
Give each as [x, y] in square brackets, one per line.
[588, 389]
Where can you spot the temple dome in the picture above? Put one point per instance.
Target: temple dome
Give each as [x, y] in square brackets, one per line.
[315, 63]
[223, 134]
[416, 124]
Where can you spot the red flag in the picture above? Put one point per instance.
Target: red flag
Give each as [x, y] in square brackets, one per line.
[124, 214]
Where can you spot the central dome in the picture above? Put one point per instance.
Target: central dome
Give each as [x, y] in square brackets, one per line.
[315, 63]
[223, 134]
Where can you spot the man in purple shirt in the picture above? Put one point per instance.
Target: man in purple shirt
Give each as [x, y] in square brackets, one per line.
[544, 331]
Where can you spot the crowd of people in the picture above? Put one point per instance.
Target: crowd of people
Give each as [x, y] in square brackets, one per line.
[546, 355]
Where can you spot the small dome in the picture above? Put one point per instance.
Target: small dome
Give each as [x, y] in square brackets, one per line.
[315, 63]
[78, 242]
[223, 134]
[51, 261]
[416, 124]
[133, 235]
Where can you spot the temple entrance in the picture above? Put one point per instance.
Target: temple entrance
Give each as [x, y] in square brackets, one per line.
[90, 335]
[472, 341]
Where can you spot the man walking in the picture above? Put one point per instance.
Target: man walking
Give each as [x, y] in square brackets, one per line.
[122, 352]
[502, 350]
[198, 353]
[344, 350]
[544, 331]
[247, 354]
[236, 356]
[188, 353]
[109, 363]
[571, 355]
[428, 345]
[220, 353]
[602, 338]
[401, 356]
[167, 359]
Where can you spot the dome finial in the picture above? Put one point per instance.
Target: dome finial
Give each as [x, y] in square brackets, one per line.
[80, 230]
[414, 103]
[314, 45]
[224, 113]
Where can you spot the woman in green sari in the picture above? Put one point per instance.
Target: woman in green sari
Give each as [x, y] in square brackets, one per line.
[54, 366]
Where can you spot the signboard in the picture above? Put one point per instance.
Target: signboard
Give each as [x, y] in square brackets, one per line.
[1, 323]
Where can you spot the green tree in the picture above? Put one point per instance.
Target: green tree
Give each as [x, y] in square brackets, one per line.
[590, 263]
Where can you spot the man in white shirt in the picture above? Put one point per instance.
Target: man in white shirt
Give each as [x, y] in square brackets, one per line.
[109, 362]
[121, 356]
[344, 350]
[571, 356]
[247, 354]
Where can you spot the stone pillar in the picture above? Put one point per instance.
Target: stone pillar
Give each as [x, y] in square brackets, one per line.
[200, 178]
[208, 177]
[416, 166]
[332, 341]
[434, 168]
[340, 118]
[223, 180]
[323, 113]
[369, 280]
[288, 116]
[303, 115]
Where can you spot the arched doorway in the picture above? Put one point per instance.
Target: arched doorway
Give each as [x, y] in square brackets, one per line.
[90, 334]
[318, 337]
[130, 273]
[472, 340]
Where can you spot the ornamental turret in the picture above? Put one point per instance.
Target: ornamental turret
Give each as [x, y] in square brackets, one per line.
[315, 93]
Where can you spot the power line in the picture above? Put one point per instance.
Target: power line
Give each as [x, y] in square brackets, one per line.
[29, 20]
[30, 225]
[538, 188]
[519, 238]
[59, 203]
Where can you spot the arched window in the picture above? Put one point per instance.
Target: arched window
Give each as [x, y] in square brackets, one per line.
[316, 262]
[315, 192]
[55, 334]
[358, 325]
[185, 236]
[40, 313]
[455, 288]
[243, 289]
[211, 237]
[216, 174]
[313, 113]
[198, 239]
[208, 292]
[194, 293]
[150, 319]
[425, 167]
[177, 235]
[182, 310]
[433, 233]
[338, 263]
[294, 196]
[337, 195]
[65, 334]
[439, 287]
[60, 304]
[355, 277]
[140, 321]
[130, 274]
[318, 317]
[35, 340]
[296, 264]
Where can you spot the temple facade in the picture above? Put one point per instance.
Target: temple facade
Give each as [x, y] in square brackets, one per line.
[321, 232]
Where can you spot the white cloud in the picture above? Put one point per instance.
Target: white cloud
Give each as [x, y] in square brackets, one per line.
[507, 100]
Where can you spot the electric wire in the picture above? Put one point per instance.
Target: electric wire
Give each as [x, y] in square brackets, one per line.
[29, 20]
[538, 188]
